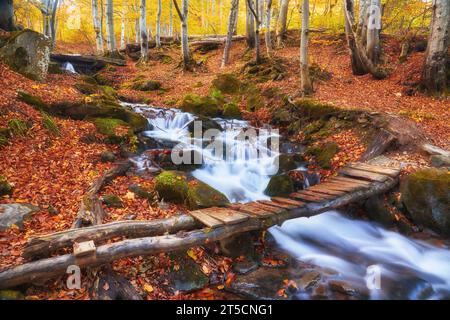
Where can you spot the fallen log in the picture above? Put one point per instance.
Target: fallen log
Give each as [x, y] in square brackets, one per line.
[80, 59]
[43, 246]
[52, 267]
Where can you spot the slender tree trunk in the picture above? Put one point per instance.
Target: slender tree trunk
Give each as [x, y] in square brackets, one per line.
[282, 22]
[257, 32]
[183, 15]
[362, 20]
[7, 15]
[434, 75]
[268, 37]
[231, 23]
[122, 33]
[111, 38]
[143, 27]
[249, 26]
[358, 67]
[158, 25]
[306, 85]
[373, 31]
[97, 27]
[53, 24]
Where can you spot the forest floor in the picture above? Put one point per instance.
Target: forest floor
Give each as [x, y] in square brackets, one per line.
[54, 171]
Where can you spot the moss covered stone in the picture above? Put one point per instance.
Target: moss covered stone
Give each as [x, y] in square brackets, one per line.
[108, 126]
[11, 295]
[102, 80]
[87, 88]
[32, 100]
[201, 195]
[324, 153]
[113, 201]
[205, 106]
[286, 162]
[142, 192]
[426, 196]
[227, 83]
[172, 186]
[5, 187]
[146, 85]
[281, 185]
[314, 109]
[231, 111]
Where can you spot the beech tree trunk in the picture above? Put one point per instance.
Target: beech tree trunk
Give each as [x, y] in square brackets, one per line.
[249, 27]
[358, 67]
[434, 75]
[183, 15]
[143, 27]
[306, 85]
[7, 15]
[282, 22]
[158, 25]
[231, 23]
[111, 38]
[268, 37]
[122, 33]
[97, 27]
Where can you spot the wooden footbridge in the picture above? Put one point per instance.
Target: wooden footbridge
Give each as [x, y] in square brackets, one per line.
[355, 182]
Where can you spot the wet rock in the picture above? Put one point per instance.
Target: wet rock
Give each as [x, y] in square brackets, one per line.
[288, 147]
[107, 156]
[227, 83]
[309, 280]
[244, 267]
[141, 192]
[205, 124]
[280, 185]
[187, 275]
[377, 210]
[439, 161]
[324, 153]
[426, 196]
[286, 163]
[172, 186]
[342, 287]
[203, 106]
[240, 246]
[146, 85]
[201, 195]
[15, 214]
[320, 292]
[5, 187]
[111, 200]
[27, 52]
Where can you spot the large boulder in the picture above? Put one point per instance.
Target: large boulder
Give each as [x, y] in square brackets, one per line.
[201, 195]
[426, 196]
[281, 185]
[202, 106]
[172, 186]
[27, 52]
[15, 214]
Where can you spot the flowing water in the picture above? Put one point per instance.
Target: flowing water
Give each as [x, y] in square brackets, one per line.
[358, 251]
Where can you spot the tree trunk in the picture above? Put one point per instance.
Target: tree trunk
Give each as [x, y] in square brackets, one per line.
[306, 85]
[97, 27]
[373, 31]
[143, 27]
[158, 25]
[111, 38]
[249, 27]
[183, 15]
[282, 22]
[268, 37]
[254, 8]
[7, 15]
[434, 75]
[231, 23]
[122, 33]
[358, 67]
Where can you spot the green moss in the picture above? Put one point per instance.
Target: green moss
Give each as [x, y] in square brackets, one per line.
[3, 141]
[426, 196]
[50, 124]
[172, 186]
[111, 200]
[255, 100]
[231, 111]
[146, 85]
[11, 295]
[324, 153]
[109, 92]
[314, 109]
[102, 80]
[227, 83]
[281, 185]
[89, 79]
[205, 106]
[201, 195]
[108, 126]
[32, 100]
[87, 88]
[318, 73]
[17, 127]
[286, 162]
[5, 187]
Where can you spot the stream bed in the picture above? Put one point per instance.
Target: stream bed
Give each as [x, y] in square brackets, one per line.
[332, 255]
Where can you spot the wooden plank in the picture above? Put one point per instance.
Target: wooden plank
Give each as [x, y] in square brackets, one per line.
[249, 209]
[294, 203]
[227, 216]
[317, 194]
[334, 186]
[82, 249]
[308, 198]
[391, 172]
[323, 189]
[268, 208]
[342, 179]
[205, 219]
[363, 174]
[276, 204]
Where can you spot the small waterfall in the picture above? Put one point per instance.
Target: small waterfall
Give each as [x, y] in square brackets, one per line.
[68, 67]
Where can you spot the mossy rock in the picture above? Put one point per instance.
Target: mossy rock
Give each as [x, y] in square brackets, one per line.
[142, 192]
[113, 201]
[206, 124]
[32, 100]
[87, 88]
[317, 73]
[281, 185]
[89, 79]
[231, 111]
[204, 106]
[102, 80]
[172, 186]
[286, 162]
[108, 126]
[187, 277]
[201, 195]
[5, 187]
[324, 153]
[314, 109]
[254, 97]
[17, 127]
[426, 196]
[109, 92]
[146, 85]
[227, 83]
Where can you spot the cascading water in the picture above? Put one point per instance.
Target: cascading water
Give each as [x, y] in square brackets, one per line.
[68, 67]
[409, 269]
